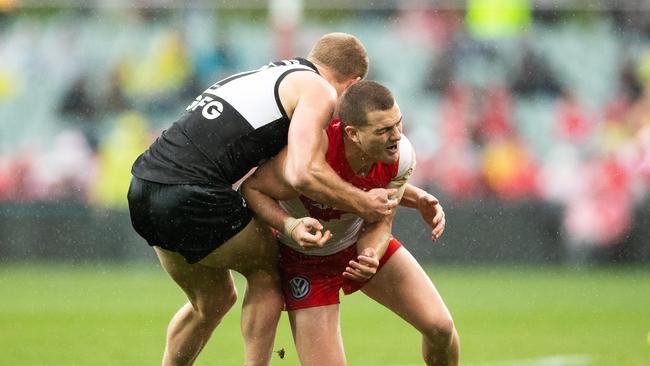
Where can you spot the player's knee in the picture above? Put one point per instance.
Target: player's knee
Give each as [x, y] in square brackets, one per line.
[228, 300]
[214, 308]
[440, 330]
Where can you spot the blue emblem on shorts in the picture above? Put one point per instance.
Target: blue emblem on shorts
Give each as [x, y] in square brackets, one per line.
[300, 287]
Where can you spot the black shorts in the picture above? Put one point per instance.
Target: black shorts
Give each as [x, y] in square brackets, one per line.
[190, 219]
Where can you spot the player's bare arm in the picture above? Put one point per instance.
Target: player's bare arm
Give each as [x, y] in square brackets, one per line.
[428, 206]
[374, 238]
[310, 102]
[262, 191]
[371, 246]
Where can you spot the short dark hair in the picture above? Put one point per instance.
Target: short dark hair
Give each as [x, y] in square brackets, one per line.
[343, 54]
[362, 98]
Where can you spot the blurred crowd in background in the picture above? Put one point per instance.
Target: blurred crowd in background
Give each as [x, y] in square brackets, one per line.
[501, 99]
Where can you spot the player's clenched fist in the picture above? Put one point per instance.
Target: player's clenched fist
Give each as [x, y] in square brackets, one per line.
[379, 204]
[307, 232]
[364, 267]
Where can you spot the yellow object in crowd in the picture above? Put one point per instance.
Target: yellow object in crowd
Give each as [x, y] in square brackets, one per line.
[497, 18]
[129, 138]
[165, 69]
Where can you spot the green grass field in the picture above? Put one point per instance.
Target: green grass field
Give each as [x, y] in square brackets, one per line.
[523, 316]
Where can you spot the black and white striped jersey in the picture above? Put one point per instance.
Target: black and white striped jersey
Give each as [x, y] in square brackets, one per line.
[230, 128]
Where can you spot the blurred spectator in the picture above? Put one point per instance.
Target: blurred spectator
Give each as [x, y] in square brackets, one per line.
[494, 115]
[21, 167]
[211, 64]
[129, 137]
[442, 30]
[165, 70]
[611, 135]
[631, 16]
[442, 71]
[630, 85]
[5, 7]
[533, 76]
[508, 169]
[643, 72]
[454, 167]
[558, 173]
[616, 129]
[572, 123]
[77, 102]
[78, 108]
[638, 116]
[641, 162]
[638, 120]
[8, 178]
[600, 213]
[8, 84]
[116, 100]
[63, 173]
[439, 25]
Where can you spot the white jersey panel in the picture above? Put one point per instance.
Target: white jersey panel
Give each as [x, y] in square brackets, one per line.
[259, 106]
[406, 163]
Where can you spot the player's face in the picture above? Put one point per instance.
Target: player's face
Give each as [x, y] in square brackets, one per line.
[379, 140]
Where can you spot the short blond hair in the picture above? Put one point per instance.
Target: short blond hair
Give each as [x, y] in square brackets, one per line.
[343, 54]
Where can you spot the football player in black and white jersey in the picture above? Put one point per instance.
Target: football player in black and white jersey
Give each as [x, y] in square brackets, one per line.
[182, 202]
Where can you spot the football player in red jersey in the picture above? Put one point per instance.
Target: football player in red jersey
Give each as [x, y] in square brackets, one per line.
[325, 249]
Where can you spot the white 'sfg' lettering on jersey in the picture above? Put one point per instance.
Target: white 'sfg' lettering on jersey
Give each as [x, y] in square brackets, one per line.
[211, 108]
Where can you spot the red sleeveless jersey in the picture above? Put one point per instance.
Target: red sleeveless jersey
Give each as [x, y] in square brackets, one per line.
[343, 225]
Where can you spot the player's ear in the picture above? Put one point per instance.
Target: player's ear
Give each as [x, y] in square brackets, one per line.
[351, 82]
[352, 133]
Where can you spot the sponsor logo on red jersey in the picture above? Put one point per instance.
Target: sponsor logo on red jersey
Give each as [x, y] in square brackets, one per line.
[300, 287]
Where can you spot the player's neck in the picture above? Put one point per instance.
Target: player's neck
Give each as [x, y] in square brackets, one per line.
[358, 161]
[328, 75]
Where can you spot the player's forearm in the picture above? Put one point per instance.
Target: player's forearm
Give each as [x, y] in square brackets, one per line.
[320, 183]
[411, 196]
[265, 207]
[375, 235]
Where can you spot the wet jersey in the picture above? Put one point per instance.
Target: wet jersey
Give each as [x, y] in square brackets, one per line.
[230, 128]
[344, 226]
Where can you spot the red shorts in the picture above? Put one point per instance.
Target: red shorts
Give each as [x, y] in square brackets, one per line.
[310, 280]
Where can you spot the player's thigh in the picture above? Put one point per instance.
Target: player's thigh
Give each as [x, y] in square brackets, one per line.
[205, 287]
[315, 322]
[253, 249]
[317, 335]
[403, 287]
